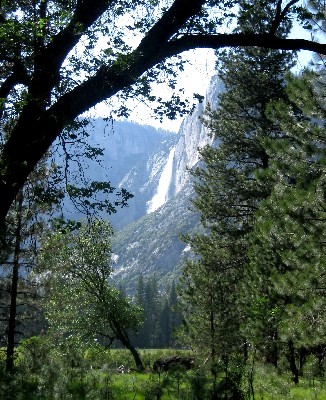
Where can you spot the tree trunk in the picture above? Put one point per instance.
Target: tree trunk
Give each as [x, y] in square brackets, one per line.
[136, 356]
[123, 337]
[13, 291]
[302, 358]
[213, 347]
[245, 350]
[293, 366]
[272, 349]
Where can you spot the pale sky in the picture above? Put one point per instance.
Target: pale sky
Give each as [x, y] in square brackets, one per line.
[194, 79]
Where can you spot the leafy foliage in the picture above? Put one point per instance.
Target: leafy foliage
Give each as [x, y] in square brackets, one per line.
[19, 309]
[81, 304]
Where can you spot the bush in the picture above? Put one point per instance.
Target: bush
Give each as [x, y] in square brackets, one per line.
[198, 383]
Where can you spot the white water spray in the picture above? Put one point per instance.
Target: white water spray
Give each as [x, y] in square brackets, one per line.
[161, 195]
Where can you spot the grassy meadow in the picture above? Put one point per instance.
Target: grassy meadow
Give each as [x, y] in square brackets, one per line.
[98, 374]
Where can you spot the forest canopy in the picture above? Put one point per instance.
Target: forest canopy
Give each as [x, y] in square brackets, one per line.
[52, 72]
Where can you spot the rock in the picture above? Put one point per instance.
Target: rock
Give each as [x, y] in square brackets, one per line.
[172, 363]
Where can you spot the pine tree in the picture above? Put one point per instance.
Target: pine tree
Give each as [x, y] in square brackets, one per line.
[142, 338]
[175, 315]
[160, 316]
[229, 190]
[169, 317]
[287, 256]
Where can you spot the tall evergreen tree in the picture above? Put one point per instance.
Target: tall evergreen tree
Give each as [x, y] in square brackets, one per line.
[148, 298]
[287, 257]
[169, 317]
[229, 190]
[142, 339]
[160, 316]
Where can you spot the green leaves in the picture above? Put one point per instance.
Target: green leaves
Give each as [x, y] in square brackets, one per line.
[77, 271]
[87, 195]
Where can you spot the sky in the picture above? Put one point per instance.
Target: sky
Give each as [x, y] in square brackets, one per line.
[195, 78]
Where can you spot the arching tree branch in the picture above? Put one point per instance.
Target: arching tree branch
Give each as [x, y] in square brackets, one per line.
[38, 126]
[280, 15]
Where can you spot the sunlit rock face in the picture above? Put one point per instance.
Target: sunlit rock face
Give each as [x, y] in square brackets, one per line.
[152, 244]
[134, 159]
[192, 136]
[137, 156]
[153, 165]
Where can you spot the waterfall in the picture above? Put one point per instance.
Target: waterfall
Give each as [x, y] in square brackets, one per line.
[162, 192]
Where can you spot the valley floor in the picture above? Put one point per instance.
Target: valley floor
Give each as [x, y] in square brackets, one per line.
[101, 375]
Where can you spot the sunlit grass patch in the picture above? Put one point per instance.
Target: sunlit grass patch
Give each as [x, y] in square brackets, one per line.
[271, 384]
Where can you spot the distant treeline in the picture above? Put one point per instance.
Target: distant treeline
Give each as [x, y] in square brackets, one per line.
[160, 314]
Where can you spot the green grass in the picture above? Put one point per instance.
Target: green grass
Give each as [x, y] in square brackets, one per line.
[303, 392]
[270, 384]
[146, 386]
[114, 358]
[95, 377]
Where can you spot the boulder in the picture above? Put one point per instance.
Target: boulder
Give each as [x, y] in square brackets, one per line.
[172, 363]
